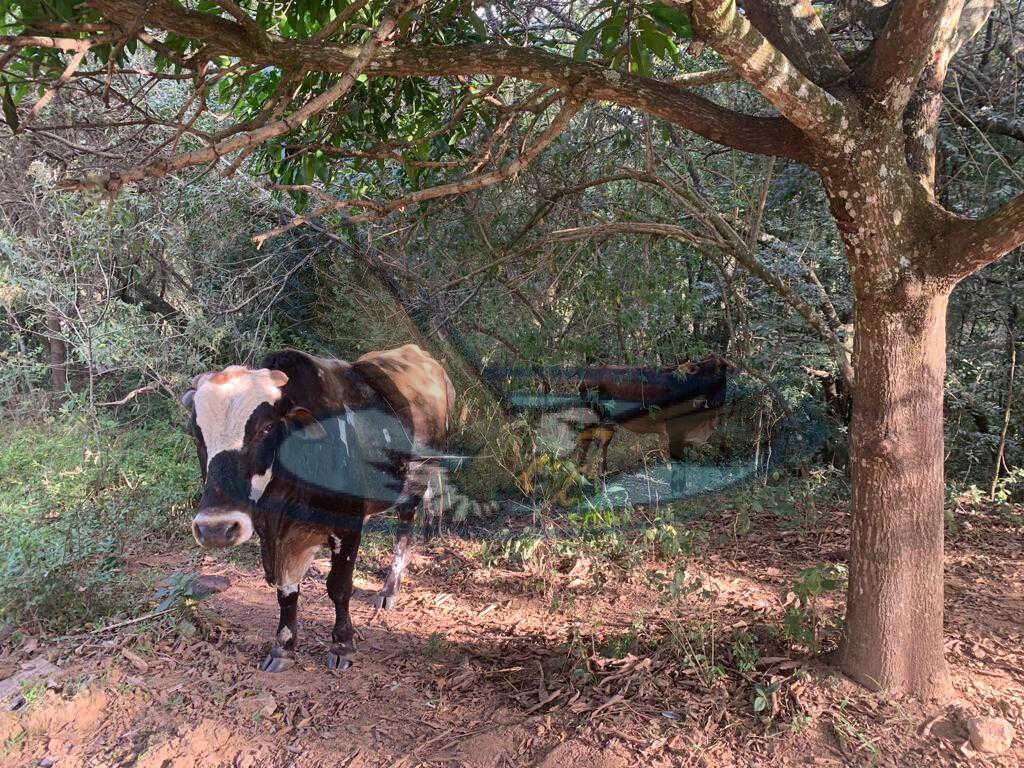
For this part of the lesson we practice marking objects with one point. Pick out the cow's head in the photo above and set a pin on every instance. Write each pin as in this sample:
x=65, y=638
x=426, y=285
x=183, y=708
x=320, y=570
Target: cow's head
x=239, y=418
x=687, y=368
x=712, y=365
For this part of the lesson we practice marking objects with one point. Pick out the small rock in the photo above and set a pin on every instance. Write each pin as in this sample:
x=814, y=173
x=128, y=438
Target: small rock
x=208, y=584
x=990, y=734
x=47, y=762
x=136, y=661
x=263, y=704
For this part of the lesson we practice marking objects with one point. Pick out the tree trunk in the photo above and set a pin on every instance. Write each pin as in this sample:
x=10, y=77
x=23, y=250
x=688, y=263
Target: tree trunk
x=894, y=635
x=58, y=354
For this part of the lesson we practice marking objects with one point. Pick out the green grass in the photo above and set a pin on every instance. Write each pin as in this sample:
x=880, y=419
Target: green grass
x=75, y=500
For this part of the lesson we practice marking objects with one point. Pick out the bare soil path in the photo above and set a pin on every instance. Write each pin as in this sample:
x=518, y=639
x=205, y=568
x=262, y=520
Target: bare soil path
x=570, y=663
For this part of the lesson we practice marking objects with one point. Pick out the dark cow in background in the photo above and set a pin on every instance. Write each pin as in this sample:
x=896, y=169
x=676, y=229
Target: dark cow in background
x=301, y=451
x=680, y=402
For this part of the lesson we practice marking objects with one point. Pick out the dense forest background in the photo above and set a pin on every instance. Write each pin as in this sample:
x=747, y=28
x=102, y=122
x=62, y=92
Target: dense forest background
x=626, y=241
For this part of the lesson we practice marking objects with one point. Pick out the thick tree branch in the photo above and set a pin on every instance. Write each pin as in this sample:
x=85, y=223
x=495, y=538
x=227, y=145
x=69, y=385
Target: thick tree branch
x=761, y=135
x=810, y=108
x=921, y=120
x=991, y=122
x=708, y=77
x=794, y=28
x=903, y=48
x=256, y=32
x=972, y=244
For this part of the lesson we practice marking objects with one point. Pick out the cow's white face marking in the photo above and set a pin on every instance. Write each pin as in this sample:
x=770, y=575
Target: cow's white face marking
x=259, y=485
x=225, y=402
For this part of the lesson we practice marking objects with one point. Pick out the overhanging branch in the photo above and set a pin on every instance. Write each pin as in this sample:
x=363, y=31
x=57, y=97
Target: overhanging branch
x=794, y=28
x=221, y=36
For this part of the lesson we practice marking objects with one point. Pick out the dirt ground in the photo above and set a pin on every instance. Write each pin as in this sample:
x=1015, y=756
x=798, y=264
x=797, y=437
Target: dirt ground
x=568, y=664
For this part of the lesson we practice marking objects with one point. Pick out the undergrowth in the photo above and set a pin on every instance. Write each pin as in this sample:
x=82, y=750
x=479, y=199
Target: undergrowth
x=77, y=499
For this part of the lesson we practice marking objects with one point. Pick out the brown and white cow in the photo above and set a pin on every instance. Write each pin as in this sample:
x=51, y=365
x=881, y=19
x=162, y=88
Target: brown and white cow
x=301, y=451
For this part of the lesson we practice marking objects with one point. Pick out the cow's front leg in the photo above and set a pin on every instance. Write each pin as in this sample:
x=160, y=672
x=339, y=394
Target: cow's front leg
x=388, y=596
x=344, y=548
x=282, y=652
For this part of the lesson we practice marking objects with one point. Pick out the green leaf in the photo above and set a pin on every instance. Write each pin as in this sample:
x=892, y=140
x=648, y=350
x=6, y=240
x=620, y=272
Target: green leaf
x=10, y=110
x=673, y=18
x=611, y=31
x=478, y=24
x=639, y=57
x=656, y=41
x=584, y=44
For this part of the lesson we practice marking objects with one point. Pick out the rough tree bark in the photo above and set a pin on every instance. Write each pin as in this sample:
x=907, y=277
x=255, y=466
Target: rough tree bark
x=893, y=632
x=893, y=637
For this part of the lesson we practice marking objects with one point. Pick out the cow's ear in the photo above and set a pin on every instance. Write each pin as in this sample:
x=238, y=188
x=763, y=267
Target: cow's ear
x=188, y=400
x=201, y=378
x=301, y=421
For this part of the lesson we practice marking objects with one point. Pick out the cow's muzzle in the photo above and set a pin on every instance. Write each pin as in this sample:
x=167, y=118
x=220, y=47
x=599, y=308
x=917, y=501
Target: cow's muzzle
x=215, y=529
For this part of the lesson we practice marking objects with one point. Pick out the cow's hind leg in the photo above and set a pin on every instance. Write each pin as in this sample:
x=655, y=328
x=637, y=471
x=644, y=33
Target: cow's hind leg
x=432, y=509
x=604, y=435
x=584, y=441
x=344, y=548
x=388, y=596
x=677, y=451
x=282, y=652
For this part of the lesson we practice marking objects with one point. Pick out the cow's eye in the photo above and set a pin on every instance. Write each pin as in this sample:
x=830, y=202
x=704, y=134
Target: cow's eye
x=265, y=430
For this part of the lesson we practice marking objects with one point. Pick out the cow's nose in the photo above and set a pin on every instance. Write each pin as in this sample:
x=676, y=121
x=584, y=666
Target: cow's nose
x=217, y=534
x=218, y=530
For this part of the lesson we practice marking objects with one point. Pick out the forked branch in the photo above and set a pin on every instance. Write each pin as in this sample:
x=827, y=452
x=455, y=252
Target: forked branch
x=902, y=50
x=806, y=105
x=794, y=28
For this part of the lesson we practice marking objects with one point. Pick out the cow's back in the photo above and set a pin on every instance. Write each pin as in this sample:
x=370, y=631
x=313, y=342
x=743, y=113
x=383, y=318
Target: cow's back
x=415, y=385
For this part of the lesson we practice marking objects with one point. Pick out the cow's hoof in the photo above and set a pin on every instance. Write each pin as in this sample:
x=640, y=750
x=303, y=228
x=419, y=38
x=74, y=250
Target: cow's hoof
x=385, y=602
x=340, y=661
x=276, y=663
